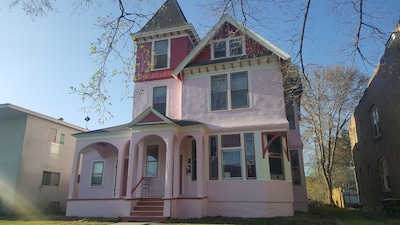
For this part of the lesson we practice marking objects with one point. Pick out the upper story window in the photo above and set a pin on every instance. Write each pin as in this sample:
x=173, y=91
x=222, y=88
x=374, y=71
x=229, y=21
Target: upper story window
x=229, y=92
x=160, y=99
x=160, y=54
x=227, y=48
x=373, y=113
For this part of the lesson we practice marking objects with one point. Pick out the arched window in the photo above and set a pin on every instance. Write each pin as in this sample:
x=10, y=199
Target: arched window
x=373, y=113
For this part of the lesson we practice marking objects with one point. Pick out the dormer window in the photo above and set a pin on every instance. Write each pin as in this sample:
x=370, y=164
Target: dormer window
x=229, y=47
x=160, y=54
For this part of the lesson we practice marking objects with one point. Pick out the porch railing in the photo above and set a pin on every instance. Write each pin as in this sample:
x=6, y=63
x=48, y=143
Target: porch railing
x=137, y=185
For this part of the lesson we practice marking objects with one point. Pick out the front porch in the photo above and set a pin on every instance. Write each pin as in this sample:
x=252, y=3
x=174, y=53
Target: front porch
x=114, y=174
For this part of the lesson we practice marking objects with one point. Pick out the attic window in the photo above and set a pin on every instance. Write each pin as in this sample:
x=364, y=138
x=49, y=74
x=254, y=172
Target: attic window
x=227, y=48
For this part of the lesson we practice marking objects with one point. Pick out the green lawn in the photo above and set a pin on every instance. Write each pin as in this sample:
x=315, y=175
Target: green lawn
x=316, y=216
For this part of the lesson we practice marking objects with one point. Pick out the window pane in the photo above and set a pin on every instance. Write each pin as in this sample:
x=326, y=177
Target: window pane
x=55, y=179
x=239, y=90
x=160, y=47
x=239, y=99
x=220, y=49
x=62, y=138
x=152, y=161
x=46, y=178
x=218, y=83
x=275, y=147
x=213, y=158
x=235, y=47
x=194, y=161
x=276, y=169
x=218, y=92
x=232, y=164
x=97, y=174
x=160, y=99
x=294, y=159
x=232, y=140
x=160, y=61
x=160, y=54
x=250, y=156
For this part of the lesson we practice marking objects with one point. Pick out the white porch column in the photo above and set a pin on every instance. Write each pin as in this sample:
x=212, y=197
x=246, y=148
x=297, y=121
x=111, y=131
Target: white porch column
x=200, y=151
x=131, y=165
x=177, y=170
x=169, y=162
x=120, y=170
x=139, y=168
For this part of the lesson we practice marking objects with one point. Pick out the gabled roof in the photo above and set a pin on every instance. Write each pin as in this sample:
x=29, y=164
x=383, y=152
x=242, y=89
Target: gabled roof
x=168, y=16
x=227, y=19
x=150, y=116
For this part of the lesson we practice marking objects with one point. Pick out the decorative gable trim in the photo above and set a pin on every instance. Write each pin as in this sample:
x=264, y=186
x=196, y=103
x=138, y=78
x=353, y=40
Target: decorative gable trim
x=150, y=116
x=209, y=37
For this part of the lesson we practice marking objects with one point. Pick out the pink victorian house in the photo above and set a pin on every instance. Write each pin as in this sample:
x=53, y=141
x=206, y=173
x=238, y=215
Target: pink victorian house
x=214, y=131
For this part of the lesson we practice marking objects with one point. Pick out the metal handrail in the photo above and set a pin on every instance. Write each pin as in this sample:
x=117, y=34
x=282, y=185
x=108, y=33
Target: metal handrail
x=137, y=185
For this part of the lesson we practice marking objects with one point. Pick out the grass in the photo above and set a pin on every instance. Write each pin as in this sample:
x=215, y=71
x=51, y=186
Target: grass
x=317, y=216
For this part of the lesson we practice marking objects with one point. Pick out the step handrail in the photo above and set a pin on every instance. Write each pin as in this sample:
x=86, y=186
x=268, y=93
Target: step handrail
x=137, y=185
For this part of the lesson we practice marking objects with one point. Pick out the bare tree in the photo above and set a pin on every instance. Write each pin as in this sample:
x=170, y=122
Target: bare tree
x=270, y=14
x=328, y=102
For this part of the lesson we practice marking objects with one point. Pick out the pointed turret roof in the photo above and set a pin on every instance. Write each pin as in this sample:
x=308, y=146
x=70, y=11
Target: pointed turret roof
x=168, y=16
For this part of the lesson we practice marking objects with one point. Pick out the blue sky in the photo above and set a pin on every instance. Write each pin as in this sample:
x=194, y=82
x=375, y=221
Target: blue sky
x=41, y=59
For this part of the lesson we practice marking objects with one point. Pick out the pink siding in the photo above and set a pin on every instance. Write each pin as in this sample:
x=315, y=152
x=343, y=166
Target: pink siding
x=266, y=102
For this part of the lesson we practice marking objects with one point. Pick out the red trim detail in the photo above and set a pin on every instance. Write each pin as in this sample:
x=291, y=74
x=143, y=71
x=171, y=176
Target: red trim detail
x=151, y=117
x=276, y=135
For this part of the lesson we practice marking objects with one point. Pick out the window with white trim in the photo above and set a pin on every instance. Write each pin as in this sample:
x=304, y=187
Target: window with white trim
x=160, y=99
x=275, y=154
x=231, y=156
x=384, y=175
x=97, y=174
x=250, y=156
x=152, y=161
x=213, y=157
x=160, y=54
x=375, y=122
x=229, y=92
x=229, y=47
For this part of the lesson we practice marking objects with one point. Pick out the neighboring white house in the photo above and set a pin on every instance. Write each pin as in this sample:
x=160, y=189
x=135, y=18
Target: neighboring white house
x=36, y=154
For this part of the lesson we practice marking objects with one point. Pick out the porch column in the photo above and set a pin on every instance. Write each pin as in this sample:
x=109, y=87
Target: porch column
x=139, y=168
x=131, y=164
x=177, y=170
x=169, y=166
x=200, y=165
x=120, y=169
